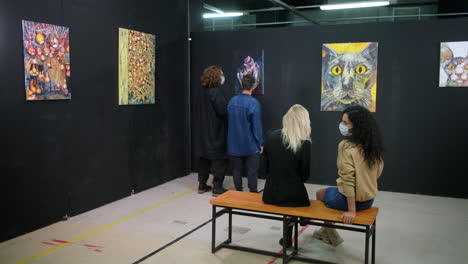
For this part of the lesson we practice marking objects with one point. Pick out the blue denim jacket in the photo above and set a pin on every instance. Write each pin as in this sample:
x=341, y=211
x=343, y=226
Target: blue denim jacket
x=244, y=126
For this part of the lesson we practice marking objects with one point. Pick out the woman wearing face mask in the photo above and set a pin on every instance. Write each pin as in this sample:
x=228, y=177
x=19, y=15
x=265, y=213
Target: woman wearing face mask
x=360, y=164
x=210, y=138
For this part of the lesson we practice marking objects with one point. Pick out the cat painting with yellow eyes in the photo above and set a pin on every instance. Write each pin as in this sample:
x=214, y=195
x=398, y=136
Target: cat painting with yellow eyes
x=453, y=64
x=349, y=75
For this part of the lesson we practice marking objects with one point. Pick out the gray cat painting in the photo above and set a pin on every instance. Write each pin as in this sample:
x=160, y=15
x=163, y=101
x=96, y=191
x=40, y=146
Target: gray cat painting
x=349, y=75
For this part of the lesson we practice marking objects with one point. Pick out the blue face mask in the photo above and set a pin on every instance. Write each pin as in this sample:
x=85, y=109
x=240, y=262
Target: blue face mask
x=222, y=80
x=344, y=130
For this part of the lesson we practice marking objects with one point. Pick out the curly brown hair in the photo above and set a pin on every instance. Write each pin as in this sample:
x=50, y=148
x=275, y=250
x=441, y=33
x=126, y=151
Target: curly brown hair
x=366, y=134
x=211, y=76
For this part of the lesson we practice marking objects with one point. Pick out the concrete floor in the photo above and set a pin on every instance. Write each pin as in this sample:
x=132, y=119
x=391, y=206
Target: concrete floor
x=411, y=229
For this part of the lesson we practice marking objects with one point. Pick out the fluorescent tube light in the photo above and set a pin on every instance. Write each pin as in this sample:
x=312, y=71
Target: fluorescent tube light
x=215, y=15
x=354, y=5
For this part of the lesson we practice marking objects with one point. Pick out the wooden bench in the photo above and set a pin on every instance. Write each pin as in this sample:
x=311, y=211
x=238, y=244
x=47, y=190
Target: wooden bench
x=251, y=204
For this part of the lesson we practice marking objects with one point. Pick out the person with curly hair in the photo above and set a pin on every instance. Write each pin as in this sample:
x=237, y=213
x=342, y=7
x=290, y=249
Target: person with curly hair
x=360, y=164
x=211, y=137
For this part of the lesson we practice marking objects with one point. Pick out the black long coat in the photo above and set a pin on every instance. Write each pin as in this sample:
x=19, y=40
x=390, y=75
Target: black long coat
x=286, y=172
x=211, y=129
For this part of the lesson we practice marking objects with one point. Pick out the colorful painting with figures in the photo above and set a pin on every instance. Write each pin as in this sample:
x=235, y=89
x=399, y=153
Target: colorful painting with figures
x=46, y=61
x=136, y=67
x=349, y=75
x=250, y=63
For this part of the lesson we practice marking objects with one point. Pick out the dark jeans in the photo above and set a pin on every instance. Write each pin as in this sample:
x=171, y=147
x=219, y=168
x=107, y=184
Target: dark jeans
x=218, y=166
x=335, y=200
x=251, y=163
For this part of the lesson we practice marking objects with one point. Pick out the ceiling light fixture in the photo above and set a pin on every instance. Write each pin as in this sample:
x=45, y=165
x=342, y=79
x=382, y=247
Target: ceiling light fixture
x=215, y=15
x=354, y=5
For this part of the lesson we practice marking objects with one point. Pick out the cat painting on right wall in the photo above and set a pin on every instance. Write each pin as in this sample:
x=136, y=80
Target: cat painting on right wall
x=453, y=71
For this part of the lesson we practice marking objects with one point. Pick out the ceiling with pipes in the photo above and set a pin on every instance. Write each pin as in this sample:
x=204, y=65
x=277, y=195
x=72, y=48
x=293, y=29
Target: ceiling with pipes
x=275, y=13
x=239, y=5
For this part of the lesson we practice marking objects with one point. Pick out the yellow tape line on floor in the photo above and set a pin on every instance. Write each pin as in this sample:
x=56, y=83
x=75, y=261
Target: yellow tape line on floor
x=104, y=227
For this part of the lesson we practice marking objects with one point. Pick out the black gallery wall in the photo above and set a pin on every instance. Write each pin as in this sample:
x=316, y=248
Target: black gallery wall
x=66, y=157
x=423, y=124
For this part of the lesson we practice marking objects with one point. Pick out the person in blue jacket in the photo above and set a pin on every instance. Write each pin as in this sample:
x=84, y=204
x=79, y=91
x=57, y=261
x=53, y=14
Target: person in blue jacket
x=245, y=139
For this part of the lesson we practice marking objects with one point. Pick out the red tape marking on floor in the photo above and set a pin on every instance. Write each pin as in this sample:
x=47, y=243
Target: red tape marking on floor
x=64, y=242
x=92, y=246
x=60, y=241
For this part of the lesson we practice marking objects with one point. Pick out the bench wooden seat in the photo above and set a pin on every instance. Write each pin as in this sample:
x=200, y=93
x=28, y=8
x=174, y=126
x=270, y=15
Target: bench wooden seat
x=251, y=204
x=317, y=210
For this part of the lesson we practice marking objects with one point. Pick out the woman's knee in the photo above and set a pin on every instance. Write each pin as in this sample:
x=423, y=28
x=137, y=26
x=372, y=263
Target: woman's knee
x=320, y=194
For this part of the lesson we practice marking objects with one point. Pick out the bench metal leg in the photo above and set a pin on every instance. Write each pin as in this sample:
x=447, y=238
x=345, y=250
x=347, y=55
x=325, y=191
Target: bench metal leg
x=296, y=234
x=230, y=227
x=373, y=242
x=213, y=230
x=216, y=214
x=285, y=228
x=366, y=257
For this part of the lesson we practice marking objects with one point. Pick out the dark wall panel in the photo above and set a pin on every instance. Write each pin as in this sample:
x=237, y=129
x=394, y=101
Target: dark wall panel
x=422, y=123
x=67, y=157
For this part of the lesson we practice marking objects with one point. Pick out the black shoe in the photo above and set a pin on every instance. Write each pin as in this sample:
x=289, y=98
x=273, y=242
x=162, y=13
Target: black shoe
x=288, y=237
x=288, y=245
x=218, y=191
x=203, y=188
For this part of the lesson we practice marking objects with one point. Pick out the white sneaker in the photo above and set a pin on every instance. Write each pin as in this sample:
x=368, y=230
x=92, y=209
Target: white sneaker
x=334, y=237
x=328, y=236
x=321, y=234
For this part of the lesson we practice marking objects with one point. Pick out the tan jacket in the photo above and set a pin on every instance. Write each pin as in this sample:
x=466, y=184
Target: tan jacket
x=356, y=178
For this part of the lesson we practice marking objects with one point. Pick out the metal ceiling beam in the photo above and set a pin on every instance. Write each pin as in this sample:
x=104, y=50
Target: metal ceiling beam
x=270, y=9
x=293, y=10
x=212, y=8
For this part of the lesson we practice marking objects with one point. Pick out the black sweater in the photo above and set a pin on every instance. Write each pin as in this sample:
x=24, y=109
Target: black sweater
x=286, y=172
x=212, y=124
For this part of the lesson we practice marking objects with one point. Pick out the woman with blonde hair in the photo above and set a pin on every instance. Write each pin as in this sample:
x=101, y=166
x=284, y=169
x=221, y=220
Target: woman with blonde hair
x=287, y=162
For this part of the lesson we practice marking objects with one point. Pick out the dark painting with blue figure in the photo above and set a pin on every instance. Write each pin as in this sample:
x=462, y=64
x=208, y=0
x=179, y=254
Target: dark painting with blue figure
x=250, y=63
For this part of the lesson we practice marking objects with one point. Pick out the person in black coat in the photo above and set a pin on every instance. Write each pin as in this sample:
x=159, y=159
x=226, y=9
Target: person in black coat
x=286, y=155
x=212, y=131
